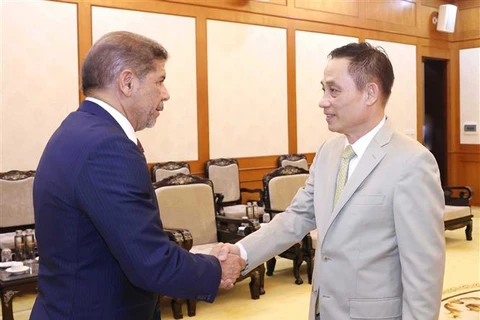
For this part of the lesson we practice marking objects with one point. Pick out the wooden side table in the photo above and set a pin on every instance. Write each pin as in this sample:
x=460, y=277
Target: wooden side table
x=14, y=284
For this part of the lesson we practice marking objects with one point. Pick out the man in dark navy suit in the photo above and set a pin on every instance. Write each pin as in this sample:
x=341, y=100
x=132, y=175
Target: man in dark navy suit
x=104, y=254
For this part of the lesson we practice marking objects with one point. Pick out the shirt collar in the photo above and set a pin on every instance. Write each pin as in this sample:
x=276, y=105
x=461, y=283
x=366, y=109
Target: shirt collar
x=120, y=118
x=361, y=144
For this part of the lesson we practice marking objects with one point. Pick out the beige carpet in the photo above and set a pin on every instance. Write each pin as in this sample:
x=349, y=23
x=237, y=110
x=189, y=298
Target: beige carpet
x=285, y=300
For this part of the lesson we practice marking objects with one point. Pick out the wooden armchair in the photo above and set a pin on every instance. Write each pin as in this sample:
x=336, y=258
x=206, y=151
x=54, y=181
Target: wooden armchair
x=16, y=205
x=164, y=170
x=458, y=213
x=280, y=187
x=293, y=159
x=224, y=173
x=187, y=202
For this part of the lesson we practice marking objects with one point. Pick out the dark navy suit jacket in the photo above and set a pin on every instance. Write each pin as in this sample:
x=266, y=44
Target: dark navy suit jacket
x=103, y=253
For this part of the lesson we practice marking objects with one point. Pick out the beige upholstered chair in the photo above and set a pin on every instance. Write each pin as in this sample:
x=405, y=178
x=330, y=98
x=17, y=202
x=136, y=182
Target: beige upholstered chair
x=280, y=187
x=458, y=213
x=187, y=202
x=293, y=159
x=164, y=170
x=16, y=204
x=224, y=173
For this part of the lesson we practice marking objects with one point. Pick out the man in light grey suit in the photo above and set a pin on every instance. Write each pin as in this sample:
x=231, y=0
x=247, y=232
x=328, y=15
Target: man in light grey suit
x=381, y=247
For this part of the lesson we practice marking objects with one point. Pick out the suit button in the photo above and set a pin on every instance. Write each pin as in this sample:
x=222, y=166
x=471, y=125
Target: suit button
x=326, y=258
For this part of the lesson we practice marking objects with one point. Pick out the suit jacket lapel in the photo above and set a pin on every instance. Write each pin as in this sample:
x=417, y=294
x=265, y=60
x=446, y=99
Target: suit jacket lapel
x=370, y=159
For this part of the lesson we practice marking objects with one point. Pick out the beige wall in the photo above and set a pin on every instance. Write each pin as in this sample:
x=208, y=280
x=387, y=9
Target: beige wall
x=39, y=59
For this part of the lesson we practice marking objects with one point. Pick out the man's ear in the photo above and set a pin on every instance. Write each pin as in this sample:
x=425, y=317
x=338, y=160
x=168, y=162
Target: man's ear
x=125, y=82
x=373, y=93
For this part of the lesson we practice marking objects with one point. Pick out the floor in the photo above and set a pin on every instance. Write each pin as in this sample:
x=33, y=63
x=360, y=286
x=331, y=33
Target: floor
x=286, y=300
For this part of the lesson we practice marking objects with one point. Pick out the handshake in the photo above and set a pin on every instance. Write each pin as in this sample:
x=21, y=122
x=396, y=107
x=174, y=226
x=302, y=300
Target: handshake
x=232, y=264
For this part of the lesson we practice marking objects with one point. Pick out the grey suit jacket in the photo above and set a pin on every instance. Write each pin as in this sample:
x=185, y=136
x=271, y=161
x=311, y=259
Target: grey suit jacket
x=381, y=249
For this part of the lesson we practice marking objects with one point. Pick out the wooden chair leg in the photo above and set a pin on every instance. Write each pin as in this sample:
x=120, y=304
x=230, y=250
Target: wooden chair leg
x=296, y=266
x=468, y=230
x=177, y=308
x=192, y=307
x=271, y=266
x=254, y=284
x=261, y=272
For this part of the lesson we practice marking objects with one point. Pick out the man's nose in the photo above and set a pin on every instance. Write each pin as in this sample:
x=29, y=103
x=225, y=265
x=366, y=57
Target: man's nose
x=324, y=103
x=166, y=95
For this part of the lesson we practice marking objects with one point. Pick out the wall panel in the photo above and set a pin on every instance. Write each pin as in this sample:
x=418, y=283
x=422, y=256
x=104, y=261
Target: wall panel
x=469, y=94
x=312, y=50
x=348, y=7
x=468, y=173
x=247, y=90
x=39, y=63
x=174, y=137
x=401, y=108
x=398, y=12
x=467, y=24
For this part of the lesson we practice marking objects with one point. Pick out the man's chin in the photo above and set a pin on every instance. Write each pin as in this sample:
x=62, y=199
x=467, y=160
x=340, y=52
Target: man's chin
x=151, y=123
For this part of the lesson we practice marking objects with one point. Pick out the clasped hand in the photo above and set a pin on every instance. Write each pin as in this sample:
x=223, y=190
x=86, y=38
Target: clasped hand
x=231, y=262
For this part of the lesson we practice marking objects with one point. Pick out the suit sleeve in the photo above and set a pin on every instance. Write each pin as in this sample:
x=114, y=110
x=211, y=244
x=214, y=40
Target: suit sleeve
x=418, y=213
x=286, y=229
x=113, y=189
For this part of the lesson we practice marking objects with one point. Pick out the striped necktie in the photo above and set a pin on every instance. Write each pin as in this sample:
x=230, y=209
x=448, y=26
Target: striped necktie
x=347, y=155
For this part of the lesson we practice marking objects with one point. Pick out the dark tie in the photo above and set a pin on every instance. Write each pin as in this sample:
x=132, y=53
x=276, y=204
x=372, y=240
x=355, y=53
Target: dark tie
x=139, y=145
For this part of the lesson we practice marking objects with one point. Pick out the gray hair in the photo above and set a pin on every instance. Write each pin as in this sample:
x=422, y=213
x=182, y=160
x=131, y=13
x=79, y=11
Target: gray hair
x=115, y=52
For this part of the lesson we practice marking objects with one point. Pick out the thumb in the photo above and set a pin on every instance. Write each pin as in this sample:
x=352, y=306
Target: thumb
x=223, y=254
x=216, y=250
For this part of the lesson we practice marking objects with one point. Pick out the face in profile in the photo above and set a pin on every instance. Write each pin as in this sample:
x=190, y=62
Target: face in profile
x=343, y=104
x=150, y=95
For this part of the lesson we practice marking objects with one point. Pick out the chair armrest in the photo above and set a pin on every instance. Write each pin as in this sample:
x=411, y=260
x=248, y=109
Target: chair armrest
x=232, y=230
x=259, y=191
x=182, y=237
x=272, y=212
x=457, y=195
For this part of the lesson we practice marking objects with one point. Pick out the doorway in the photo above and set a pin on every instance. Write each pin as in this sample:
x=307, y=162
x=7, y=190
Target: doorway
x=435, y=116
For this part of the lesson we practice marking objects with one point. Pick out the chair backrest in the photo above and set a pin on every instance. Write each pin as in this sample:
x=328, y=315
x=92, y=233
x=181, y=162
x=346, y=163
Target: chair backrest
x=224, y=173
x=281, y=186
x=457, y=195
x=16, y=200
x=161, y=171
x=187, y=201
x=293, y=159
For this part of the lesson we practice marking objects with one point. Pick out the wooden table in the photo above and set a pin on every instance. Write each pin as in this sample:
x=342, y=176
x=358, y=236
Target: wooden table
x=13, y=284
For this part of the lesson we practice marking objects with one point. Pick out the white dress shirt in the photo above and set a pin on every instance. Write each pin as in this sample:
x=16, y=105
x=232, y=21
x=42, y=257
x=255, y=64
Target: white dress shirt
x=120, y=118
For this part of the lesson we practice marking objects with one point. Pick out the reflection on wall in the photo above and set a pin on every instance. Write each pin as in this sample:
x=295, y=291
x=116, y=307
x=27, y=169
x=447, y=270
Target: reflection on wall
x=401, y=108
x=470, y=94
x=175, y=136
x=39, y=63
x=312, y=50
x=247, y=90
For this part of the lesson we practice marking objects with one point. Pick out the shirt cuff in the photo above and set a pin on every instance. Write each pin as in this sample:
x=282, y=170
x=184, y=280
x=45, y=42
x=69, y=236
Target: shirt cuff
x=243, y=255
x=243, y=252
